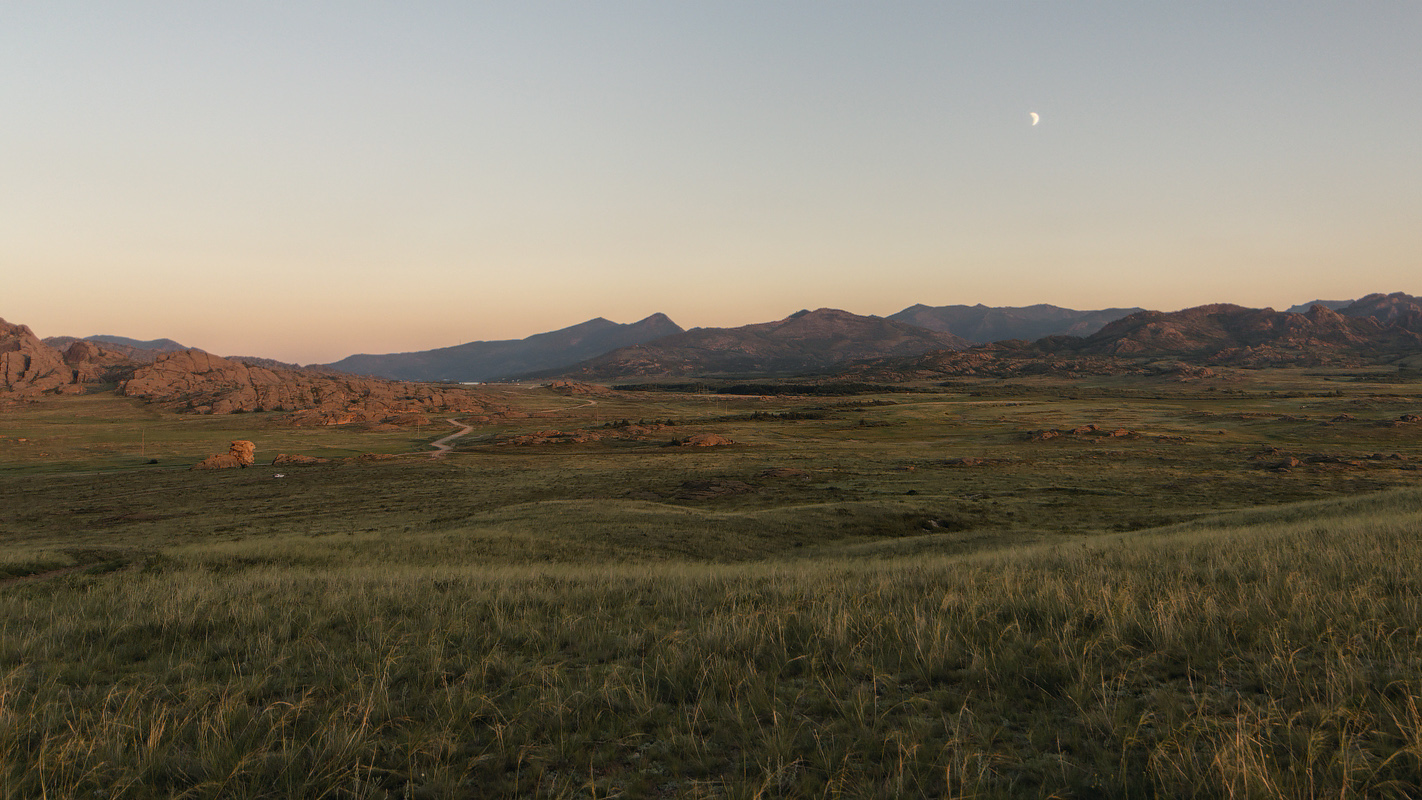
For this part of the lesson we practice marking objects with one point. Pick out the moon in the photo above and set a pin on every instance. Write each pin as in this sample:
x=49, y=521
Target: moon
x=1034, y=117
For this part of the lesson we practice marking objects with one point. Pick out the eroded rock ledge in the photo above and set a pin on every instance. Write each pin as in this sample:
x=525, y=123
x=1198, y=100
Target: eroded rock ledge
x=197, y=382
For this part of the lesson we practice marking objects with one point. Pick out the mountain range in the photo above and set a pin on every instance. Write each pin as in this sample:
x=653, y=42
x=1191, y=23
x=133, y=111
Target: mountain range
x=487, y=361
x=948, y=341
x=773, y=347
x=1376, y=328
x=806, y=341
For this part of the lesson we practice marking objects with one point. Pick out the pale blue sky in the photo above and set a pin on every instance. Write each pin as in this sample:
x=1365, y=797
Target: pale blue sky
x=308, y=180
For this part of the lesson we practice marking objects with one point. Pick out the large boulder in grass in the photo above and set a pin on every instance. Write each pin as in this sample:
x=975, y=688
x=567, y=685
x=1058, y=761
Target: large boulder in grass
x=242, y=453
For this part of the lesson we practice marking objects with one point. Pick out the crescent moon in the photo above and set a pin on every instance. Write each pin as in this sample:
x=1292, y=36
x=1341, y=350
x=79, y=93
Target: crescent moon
x=1034, y=116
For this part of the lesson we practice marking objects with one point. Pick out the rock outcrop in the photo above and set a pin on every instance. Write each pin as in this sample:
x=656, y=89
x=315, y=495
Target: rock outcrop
x=29, y=367
x=241, y=453
x=119, y=348
x=197, y=382
x=244, y=451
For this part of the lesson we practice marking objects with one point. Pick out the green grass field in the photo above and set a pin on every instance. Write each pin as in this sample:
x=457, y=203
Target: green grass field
x=937, y=604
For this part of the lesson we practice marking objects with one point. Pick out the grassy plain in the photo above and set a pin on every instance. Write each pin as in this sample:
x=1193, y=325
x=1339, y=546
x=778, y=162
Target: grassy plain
x=942, y=604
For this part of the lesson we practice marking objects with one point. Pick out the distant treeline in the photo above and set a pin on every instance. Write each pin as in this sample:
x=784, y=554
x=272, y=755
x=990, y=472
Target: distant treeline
x=806, y=389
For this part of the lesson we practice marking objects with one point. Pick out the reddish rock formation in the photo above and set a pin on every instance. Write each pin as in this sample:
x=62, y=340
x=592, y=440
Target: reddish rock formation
x=704, y=440
x=28, y=366
x=241, y=453
x=198, y=382
x=244, y=451
x=1398, y=308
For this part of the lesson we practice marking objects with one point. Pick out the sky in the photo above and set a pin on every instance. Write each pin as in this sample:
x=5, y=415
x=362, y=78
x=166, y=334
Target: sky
x=308, y=180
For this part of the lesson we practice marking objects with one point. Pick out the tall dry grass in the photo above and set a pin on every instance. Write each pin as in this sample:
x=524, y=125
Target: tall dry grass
x=1271, y=654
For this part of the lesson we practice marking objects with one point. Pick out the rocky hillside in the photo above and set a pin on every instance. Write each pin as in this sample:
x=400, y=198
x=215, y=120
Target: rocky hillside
x=1229, y=334
x=1402, y=310
x=134, y=350
x=486, y=361
x=198, y=382
x=802, y=342
x=980, y=324
x=29, y=367
x=1186, y=343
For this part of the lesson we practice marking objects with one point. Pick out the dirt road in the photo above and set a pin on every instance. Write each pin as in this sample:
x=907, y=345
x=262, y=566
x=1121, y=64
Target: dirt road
x=444, y=445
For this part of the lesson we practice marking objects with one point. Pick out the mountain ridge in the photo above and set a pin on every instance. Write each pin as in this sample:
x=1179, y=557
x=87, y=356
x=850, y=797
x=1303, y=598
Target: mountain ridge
x=504, y=358
x=1377, y=328
x=801, y=342
x=981, y=324
x=1182, y=342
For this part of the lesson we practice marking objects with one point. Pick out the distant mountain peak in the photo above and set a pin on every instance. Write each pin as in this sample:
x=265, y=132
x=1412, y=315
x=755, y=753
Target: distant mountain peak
x=657, y=319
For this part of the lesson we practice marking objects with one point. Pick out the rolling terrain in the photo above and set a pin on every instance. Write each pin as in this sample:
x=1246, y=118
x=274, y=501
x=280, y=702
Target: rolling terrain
x=1109, y=586
x=1178, y=557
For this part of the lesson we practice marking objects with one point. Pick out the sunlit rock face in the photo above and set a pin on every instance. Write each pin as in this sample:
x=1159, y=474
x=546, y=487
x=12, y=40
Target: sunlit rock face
x=28, y=366
x=197, y=382
x=241, y=453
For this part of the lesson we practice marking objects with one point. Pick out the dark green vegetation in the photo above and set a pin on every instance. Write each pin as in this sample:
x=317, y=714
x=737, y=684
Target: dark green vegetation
x=1217, y=591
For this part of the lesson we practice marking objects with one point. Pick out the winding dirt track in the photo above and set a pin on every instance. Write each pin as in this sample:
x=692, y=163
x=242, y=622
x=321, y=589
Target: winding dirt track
x=585, y=404
x=444, y=445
